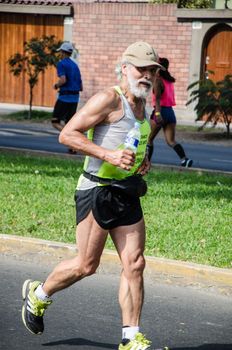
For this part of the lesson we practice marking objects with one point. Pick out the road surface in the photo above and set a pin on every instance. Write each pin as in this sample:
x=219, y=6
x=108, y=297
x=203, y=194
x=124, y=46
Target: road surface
x=86, y=316
x=45, y=138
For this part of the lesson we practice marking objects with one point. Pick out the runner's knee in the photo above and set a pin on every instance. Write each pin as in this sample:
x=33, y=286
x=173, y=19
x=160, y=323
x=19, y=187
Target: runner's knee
x=88, y=268
x=135, y=267
x=171, y=143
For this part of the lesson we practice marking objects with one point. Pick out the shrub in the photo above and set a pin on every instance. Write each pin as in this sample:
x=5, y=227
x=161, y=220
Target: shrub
x=214, y=101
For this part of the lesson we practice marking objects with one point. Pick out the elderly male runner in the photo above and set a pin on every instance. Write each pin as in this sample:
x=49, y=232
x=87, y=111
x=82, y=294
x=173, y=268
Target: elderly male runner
x=102, y=209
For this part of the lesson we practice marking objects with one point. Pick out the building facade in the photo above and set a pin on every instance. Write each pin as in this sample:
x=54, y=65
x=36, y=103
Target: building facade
x=194, y=41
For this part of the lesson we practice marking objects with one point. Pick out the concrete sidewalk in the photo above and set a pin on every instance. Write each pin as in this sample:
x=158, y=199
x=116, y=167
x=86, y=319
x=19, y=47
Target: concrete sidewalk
x=157, y=269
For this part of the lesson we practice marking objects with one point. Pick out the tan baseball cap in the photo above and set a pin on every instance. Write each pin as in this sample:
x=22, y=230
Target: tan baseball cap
x=141, y=54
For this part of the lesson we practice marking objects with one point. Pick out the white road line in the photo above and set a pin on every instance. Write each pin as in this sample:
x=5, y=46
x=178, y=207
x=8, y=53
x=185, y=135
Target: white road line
x=13, y=132
x=6, y=133
x=222, y=160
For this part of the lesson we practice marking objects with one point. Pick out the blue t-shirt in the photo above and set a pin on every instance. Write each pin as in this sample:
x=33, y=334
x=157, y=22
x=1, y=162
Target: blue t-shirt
x=71, y=71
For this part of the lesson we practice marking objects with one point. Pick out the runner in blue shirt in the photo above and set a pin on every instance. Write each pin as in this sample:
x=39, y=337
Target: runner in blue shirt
x=69, y=85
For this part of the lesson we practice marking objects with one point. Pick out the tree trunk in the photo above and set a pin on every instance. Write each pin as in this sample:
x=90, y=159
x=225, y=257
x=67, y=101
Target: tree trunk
x=30, y=102
x=227, y=130
x=226, y=119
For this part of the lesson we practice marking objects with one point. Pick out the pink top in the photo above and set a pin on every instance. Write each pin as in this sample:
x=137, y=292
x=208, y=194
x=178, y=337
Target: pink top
x=168, y=96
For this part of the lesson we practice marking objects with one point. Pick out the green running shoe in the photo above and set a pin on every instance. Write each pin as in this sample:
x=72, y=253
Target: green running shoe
x=138, y=343
x=33, y=308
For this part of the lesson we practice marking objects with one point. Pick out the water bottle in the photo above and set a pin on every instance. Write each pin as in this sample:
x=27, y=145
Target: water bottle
x=133, y=138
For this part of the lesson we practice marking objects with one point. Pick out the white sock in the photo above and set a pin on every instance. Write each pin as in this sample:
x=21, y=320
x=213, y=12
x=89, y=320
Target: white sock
x=39, y=292
x=129, y=332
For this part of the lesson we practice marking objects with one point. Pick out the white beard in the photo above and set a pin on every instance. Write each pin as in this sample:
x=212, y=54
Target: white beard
x=139, y=92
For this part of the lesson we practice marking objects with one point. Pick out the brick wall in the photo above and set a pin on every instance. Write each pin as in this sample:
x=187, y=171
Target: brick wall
x=102, y=31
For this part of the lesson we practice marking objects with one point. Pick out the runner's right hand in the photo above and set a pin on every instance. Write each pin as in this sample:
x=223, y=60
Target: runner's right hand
x=124, y=158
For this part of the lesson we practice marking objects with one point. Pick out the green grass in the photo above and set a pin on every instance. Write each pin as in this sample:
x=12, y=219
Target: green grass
x=188, y=214
x=207, y=130
x=36, y=116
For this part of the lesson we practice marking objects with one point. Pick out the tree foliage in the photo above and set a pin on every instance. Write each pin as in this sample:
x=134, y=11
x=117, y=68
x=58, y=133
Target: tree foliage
x=213, y=101
x=197, y=4
x=38, y=54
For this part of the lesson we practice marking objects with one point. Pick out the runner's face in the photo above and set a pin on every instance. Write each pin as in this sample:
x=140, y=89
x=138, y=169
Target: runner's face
x=140, y=80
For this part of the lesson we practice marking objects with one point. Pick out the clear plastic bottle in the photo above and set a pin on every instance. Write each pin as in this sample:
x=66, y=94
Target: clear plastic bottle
x=133, y=138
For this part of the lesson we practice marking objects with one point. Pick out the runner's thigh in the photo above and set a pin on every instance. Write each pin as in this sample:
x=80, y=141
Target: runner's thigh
x=129, y=241
x=90, y=238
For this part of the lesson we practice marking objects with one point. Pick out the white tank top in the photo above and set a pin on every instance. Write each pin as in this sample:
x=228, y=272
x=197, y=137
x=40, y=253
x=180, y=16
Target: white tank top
x=112, y=136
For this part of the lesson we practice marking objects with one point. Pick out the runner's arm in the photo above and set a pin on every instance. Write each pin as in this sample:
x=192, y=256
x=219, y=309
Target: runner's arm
x=95, y=111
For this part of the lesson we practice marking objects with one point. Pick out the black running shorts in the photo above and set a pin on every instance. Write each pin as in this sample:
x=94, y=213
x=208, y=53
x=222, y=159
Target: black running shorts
x=110, y=207
x=63, y=111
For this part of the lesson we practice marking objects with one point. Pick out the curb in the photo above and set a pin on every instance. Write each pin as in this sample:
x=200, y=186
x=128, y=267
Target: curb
x=30, y=152
x=167, y=270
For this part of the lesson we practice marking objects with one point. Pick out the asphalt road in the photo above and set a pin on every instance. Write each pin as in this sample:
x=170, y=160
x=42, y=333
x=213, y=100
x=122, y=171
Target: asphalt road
x=45, y=138
x=86, y=315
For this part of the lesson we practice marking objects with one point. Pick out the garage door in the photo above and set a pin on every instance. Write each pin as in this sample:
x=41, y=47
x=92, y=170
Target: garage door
x=15, y=29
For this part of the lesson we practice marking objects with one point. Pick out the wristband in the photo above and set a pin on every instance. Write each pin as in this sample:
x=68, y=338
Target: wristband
x=149, y=151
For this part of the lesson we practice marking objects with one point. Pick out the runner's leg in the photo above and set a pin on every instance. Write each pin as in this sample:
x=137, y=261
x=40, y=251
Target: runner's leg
x=129, y=242
x=91, y=239
x=169, y=134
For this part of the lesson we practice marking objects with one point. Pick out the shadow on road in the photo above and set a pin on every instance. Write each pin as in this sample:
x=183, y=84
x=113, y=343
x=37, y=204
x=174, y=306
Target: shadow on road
x=82, y=342
x=206, y=347
x=86, y=342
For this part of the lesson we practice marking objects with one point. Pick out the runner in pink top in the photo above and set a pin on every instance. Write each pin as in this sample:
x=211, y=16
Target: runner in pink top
x=167, y=99
x=163, y=116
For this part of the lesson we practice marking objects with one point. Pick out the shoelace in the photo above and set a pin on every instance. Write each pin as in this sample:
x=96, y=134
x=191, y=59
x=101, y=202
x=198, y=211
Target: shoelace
x=142, y=339
x=36, y=306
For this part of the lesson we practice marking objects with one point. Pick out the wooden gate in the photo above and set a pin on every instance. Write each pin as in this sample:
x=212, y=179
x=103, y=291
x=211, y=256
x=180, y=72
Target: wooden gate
x=218, y=53
x=15, y=29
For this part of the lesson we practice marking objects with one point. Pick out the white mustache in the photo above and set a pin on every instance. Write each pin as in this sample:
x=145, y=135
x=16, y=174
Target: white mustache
x=145, y=82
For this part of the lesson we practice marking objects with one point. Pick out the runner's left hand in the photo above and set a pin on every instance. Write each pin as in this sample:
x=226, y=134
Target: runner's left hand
x=145, y=166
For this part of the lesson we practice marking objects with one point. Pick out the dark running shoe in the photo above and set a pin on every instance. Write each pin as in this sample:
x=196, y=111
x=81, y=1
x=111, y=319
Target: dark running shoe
x=33, y=308
x=187, y=163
